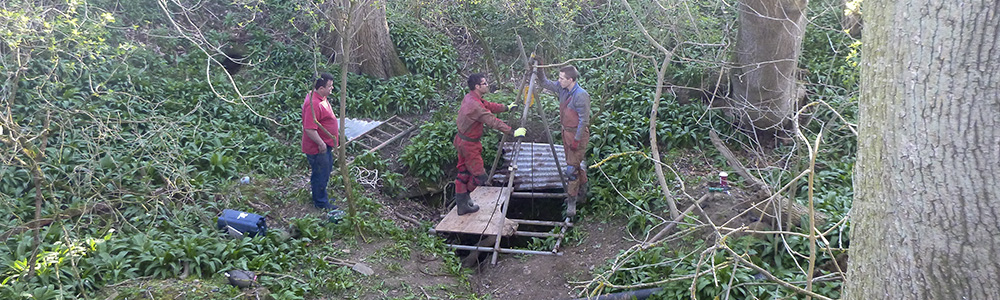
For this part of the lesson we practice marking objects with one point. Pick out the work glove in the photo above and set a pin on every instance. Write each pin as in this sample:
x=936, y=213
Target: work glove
x=520, y=132
x=570, y=173
x=575, y=144
x=512, y=106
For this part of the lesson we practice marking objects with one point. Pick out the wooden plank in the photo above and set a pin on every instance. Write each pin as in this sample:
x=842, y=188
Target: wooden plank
x=359, y=141
x=487, y=221
x=386, y=133
x=401, y=134
x=401, y=120
x=389, y=124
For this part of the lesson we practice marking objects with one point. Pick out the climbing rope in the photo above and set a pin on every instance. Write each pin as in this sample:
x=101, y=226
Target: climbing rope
x=367, y=177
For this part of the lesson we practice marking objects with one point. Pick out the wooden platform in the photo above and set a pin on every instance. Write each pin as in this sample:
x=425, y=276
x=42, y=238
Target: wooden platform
x=489, y=220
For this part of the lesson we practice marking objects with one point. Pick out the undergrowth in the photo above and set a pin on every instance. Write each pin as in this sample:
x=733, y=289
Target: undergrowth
x=115, y=114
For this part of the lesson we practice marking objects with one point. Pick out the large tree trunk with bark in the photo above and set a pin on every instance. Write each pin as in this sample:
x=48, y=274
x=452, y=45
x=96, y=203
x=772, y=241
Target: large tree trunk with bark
x=926, y=213
x=764, y=79
x=372, y=50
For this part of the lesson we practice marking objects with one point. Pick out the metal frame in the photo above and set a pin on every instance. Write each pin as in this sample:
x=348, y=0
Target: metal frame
x=510, y=182
x=496, y=249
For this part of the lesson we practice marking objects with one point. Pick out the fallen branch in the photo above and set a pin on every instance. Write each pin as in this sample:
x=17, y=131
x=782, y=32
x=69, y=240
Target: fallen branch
x=359, y=267
x=407, y=218
x=652, y=241
x=733, y=162
x=280, y=276
x=771, y=277
x=100, y=208
x=434, y=274
x=796, y=212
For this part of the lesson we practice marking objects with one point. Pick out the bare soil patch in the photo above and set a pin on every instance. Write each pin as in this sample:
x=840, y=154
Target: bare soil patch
x=553, y=277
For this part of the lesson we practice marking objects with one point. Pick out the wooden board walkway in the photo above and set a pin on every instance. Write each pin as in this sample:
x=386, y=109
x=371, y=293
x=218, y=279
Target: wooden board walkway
x=489, y=220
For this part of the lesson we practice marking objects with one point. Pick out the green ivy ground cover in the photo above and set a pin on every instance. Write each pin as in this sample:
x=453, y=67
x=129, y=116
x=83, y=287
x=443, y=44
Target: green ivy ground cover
x=134, y=115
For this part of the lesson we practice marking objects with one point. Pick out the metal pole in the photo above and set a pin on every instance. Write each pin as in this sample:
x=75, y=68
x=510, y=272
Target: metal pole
x=510, y=178
x=520, y=86
x=562, y=233
x=628, y=295
x=534, y=195
x=542, y=223
x=503, y=214
x=537, y=234
x=552, y=147
x=501, y=250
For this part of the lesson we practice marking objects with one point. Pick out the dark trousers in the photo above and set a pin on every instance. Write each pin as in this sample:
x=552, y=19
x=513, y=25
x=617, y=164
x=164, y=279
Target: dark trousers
x=321, y=165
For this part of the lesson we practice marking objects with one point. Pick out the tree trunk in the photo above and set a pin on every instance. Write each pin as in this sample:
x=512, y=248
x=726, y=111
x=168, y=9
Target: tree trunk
x=767, y=51
x=344, y=24
x=925, y=213
x=372, y=49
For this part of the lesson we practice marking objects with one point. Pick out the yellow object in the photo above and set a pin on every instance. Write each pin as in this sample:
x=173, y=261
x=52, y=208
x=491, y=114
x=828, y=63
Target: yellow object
x=530, y=99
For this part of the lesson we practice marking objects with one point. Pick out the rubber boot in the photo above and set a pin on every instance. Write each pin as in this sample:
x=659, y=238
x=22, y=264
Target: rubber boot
x=571, y=206
x=464, y=204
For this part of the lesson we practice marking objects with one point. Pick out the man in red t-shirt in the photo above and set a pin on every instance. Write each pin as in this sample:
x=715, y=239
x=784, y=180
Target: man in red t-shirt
x=319, y=138
x=472, y=115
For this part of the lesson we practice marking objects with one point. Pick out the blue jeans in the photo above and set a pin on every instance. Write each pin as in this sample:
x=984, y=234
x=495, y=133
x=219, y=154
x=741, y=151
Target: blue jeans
x=321, y=165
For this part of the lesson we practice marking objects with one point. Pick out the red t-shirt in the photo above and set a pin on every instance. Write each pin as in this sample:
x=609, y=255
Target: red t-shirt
x=325, y=116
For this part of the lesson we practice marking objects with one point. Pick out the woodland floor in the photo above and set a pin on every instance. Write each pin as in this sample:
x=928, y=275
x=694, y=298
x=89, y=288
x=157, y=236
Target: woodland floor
x=514, y=276
x=598, y=240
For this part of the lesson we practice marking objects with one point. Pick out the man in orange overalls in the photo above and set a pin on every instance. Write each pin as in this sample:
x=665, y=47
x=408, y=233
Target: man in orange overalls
x=472, y=115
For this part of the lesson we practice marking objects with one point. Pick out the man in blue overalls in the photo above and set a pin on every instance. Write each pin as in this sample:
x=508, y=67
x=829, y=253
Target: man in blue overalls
x=574, y=116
